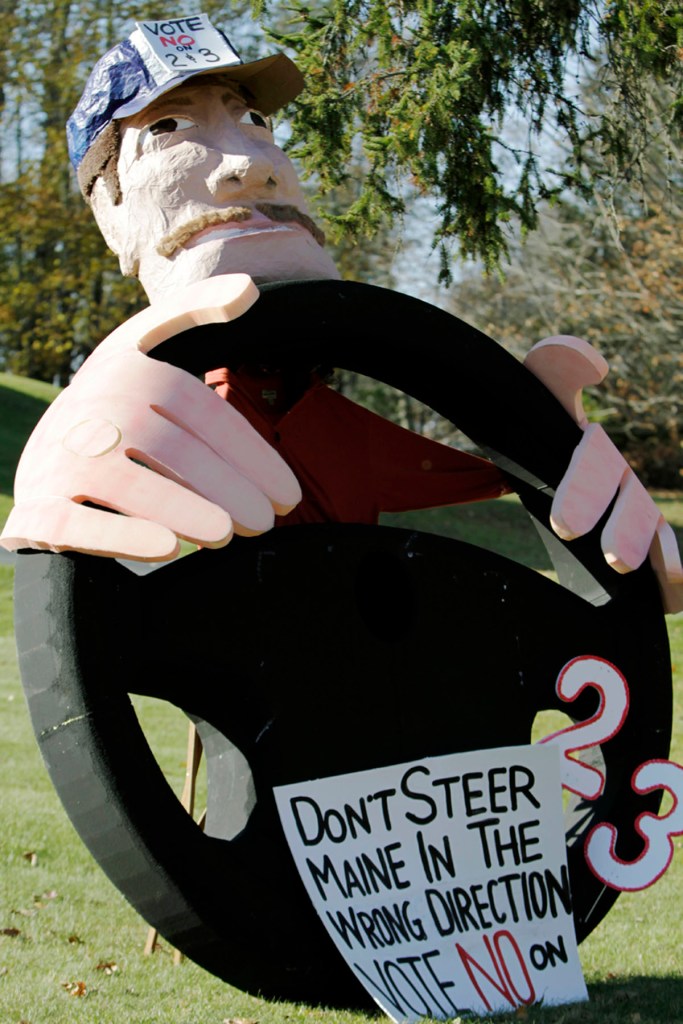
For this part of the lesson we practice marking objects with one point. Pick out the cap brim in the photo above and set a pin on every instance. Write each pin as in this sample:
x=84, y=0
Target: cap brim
x=272, y=81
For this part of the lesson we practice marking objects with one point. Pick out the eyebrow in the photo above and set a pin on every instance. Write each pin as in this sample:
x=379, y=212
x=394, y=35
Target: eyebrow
x=168, y=101
x=235, y=92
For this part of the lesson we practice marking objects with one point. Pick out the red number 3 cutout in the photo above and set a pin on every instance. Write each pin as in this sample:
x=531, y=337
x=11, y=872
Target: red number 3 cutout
x=576, y=675
x=630, y=876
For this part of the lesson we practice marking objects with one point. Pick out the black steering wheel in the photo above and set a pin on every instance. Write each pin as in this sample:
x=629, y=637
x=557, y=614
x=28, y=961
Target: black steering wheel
x=313, y=651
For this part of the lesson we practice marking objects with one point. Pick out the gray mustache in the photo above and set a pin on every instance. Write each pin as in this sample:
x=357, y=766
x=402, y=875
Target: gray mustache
x=277, y=212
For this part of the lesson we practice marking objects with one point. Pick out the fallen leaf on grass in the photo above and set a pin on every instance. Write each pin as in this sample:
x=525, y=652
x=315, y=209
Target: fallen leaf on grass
x=75, y=988
x=31, y=856
x=75, y=940
x=12, y=932
x=51, y=894
x=108, y=966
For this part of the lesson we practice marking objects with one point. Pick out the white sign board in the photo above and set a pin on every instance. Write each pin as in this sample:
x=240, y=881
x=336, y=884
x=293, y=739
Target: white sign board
x=175, y=46
x=443, y=882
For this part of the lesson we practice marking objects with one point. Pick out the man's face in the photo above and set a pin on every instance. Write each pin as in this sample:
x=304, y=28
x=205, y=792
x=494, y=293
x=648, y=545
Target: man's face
x=206, y=191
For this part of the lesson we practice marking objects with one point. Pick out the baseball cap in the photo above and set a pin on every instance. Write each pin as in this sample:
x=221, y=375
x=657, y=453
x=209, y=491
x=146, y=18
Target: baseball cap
x=159, y=55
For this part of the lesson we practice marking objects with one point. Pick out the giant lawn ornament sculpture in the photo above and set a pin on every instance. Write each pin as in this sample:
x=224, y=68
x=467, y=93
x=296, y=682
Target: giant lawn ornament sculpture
x=328, y=645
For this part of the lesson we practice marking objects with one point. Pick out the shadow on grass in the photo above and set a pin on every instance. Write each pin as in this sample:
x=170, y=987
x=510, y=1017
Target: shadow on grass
x=655, y=999
x=633, y=1000
x=20, y=413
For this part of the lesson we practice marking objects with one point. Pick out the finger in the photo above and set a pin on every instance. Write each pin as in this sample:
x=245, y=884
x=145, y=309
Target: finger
x=588, y=486
x=171, y=451
x=194, y=407
x=666, y=551
x=59, y=524
x=628, y=535
x=666, y=562
x=168, y=450
x=141, y=493
x=216, y=300
x=136, y=383
x=566, y=365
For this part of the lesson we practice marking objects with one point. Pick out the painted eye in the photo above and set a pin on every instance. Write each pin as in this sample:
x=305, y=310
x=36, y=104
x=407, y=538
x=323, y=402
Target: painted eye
x=254, y=118
x=163, y=127
x=167, y=125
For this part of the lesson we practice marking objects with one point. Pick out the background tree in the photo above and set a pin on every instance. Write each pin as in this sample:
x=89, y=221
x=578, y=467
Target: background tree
x=425, y=91
x=612, y=275
x=59, y=288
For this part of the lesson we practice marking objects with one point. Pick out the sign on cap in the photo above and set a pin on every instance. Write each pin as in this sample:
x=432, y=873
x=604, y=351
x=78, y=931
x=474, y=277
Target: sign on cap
x=177, y=46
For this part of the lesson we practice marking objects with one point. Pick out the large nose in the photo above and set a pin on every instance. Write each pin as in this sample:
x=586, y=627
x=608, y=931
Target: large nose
x=245, y=167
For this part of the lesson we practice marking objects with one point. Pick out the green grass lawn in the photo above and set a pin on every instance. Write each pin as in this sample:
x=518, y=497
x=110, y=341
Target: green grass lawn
x=71, y=947
x=22, y=403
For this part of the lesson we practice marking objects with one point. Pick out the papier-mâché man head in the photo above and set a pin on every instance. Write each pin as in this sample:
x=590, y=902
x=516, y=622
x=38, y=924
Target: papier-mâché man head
x=173, y=148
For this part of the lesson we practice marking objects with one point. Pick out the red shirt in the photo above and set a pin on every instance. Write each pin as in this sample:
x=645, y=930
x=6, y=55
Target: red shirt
x=351, y=463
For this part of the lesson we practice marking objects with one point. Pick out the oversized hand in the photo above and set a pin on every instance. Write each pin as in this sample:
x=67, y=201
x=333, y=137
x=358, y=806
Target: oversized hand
x=148, y=440
x=598, y=472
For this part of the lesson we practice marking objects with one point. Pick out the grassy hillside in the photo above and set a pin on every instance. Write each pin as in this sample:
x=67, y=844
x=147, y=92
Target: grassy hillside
x=22, y=403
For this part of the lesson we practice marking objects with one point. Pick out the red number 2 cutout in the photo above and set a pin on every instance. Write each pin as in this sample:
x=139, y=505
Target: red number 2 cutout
x=631, y=876
x=576, y=675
